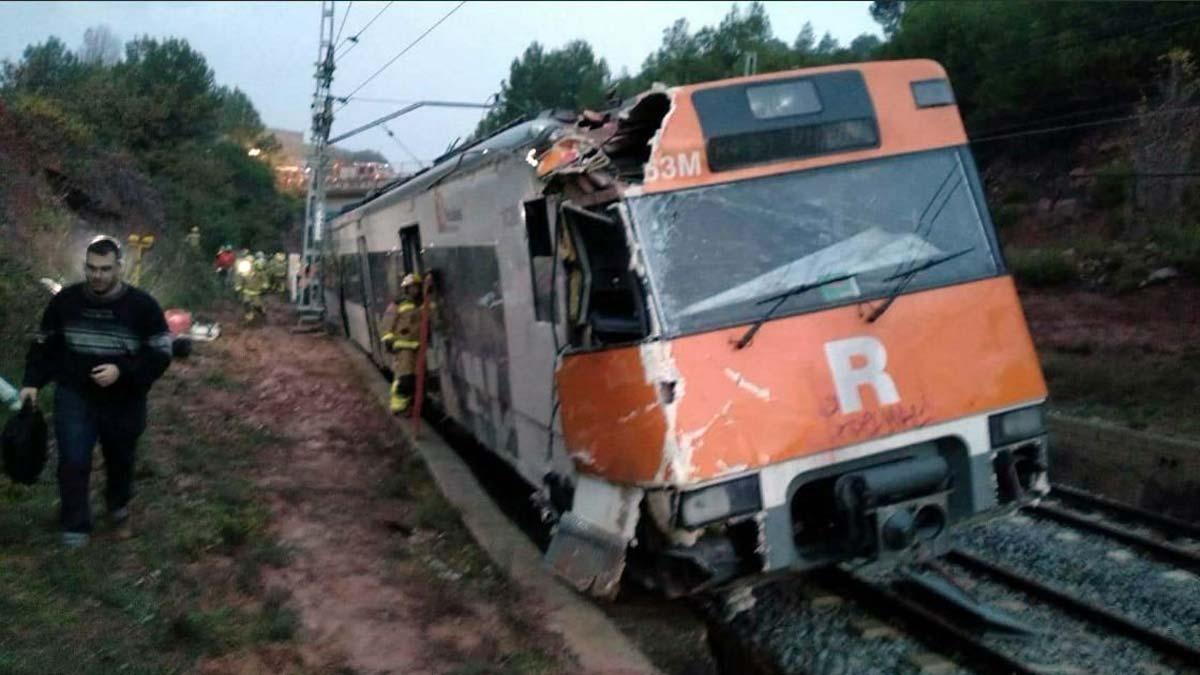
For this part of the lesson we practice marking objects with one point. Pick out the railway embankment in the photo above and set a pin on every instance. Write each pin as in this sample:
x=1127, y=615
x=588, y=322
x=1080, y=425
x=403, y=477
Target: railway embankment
x=1154, y=471
x=598, y=645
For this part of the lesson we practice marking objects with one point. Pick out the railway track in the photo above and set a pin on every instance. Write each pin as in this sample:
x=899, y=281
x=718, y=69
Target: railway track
x=1175, y=541
x=1062, y=569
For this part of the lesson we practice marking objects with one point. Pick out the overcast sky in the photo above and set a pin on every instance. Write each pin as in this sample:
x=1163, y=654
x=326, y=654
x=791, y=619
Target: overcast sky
x=268, y=48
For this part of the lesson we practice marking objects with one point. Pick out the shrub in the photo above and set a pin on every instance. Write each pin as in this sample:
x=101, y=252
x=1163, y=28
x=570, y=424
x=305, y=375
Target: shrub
x=1110, y=187
x=1040, y=267
x=1007, y=215
x=179, y=276
x=1182, y=246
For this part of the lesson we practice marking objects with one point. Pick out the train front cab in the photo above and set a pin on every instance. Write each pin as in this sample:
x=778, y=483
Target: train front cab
x=834, y=362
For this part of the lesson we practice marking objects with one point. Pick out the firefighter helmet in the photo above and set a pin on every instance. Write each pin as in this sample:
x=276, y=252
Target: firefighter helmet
x=411, y=279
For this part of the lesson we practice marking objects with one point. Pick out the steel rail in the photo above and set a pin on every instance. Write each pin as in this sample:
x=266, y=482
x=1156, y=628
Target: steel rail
x=937, y=632
x=1175, y=554
x=1092, y=612
x=1172, y=525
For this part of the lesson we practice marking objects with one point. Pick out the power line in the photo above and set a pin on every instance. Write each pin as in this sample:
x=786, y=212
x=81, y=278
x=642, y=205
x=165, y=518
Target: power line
x=1081, y=125
x=404, y=51
x=365, y=99
x=344, y=17
x=352, y=40
x=403, y=147
x=1027, y=124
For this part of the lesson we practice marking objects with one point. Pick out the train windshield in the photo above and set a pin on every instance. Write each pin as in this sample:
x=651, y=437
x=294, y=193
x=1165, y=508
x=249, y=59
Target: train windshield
x=723, y=254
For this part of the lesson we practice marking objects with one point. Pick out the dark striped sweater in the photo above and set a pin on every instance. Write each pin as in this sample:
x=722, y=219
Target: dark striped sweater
x=80, y=331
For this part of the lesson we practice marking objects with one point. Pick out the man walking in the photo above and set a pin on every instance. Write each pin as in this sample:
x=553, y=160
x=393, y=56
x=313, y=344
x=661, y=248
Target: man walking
x=105, y=343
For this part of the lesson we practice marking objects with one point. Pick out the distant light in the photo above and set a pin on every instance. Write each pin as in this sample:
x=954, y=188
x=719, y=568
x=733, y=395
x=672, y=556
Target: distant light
x=254, y=152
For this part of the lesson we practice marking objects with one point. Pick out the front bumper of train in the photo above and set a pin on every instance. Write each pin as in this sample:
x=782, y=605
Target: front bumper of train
x=889, y=498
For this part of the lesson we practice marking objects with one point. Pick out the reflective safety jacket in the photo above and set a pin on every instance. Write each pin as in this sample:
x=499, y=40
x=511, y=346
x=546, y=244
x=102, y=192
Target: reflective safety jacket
x=255, y=283
x=403, y=321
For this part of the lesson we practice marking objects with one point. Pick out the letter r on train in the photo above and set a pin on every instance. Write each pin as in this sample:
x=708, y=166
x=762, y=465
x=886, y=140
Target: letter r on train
x=856, y=362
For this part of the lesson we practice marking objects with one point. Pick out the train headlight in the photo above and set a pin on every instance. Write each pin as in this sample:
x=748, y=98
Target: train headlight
x=1017, y=425
x=720, y=501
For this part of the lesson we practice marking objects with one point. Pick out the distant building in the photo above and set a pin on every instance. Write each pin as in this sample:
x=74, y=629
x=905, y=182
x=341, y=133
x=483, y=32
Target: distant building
x=352, y=174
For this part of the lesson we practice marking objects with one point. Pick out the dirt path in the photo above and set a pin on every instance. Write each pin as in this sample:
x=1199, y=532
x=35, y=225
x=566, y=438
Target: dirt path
x=384, y=576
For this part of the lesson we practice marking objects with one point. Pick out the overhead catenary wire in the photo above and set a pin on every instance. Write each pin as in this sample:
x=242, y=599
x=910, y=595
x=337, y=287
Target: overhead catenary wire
x=370, y=99
x=1082, y=125
x=402, y=52
x=353, y=39
x=344, y=17
x=400, y=143
x=1030, y=124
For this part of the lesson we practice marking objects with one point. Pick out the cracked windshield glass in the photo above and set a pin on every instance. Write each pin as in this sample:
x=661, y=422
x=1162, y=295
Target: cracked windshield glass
x=717, y=253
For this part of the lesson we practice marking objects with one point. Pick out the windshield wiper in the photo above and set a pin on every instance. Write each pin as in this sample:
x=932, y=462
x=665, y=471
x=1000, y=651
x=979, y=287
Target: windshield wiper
x=781, y=298
x=907, y=276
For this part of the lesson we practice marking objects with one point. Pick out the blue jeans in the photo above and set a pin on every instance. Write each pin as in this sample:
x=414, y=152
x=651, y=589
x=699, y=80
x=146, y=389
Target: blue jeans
x=79, y=422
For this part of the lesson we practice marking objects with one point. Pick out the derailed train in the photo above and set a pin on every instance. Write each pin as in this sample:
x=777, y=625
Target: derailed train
x=729, y=328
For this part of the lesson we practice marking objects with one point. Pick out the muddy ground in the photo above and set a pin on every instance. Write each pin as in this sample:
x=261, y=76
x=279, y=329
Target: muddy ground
x=1131, y=358
x=1162, y=319
x=381, y=572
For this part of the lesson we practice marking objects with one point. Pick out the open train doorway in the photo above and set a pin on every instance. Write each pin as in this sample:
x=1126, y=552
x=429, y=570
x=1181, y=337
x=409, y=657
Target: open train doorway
x=410, y=249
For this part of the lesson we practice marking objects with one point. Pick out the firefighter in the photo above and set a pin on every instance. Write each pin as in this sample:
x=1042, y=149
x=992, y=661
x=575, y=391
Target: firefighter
x=252, y=287
x=401, y=339
x=224, y=263
x=277, y=270
x=193, y=238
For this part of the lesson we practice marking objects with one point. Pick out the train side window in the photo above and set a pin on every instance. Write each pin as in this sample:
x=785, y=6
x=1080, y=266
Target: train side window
x=541, y=258
x=606, y=304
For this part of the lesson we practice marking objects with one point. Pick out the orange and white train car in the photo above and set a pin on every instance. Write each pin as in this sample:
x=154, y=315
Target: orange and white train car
x=779, y=322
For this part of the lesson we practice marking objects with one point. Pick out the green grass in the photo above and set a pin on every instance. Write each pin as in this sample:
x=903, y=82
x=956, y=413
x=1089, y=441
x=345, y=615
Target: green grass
x=1142, y=391
x=138, y=606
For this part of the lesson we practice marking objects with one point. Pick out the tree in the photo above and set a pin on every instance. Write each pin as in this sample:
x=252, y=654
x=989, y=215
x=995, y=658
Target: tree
x=716, y=52
x=1025, y=60
x=568, y=78
x=887, y=13
x=239, y=121
x=828, y=45
x=100, y=47
x=48, y=69
x=165, y=95
x=863, y=47
x=1162, y=143
x=806, y=41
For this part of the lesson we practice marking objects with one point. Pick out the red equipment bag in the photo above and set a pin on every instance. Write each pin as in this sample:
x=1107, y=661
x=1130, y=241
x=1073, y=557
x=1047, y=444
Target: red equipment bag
x=179, y=321
x=24, y=445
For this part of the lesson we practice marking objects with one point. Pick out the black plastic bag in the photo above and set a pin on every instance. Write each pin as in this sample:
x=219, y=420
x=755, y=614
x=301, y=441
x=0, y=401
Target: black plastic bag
x=24, y=445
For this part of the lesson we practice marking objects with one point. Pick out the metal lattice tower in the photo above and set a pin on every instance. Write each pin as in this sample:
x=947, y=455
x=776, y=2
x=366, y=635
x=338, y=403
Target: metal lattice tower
x=313, y=297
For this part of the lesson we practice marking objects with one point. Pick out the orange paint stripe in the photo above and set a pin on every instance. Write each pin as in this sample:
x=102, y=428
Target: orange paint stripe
x=903, y=127
x=951, y=352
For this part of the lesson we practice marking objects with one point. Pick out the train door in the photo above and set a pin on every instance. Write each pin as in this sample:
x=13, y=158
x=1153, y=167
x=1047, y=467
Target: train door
x=340, y=270
x=410, y=249
x=368, y=293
